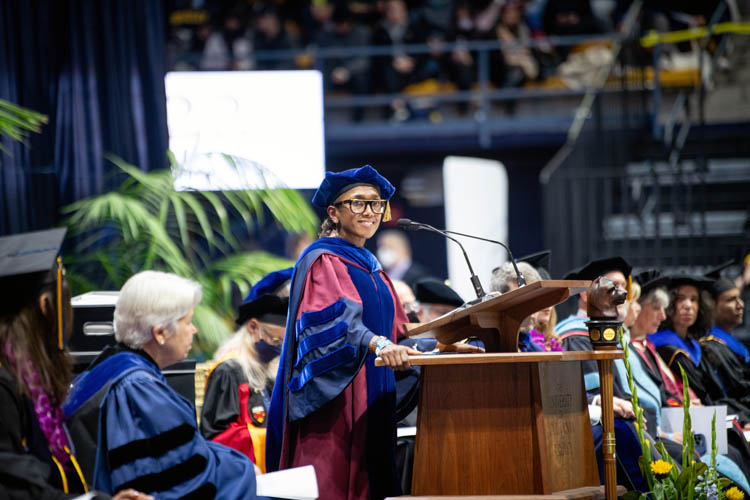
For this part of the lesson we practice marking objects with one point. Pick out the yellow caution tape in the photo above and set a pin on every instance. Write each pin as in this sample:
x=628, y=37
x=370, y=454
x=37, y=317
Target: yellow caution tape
x=654, y=37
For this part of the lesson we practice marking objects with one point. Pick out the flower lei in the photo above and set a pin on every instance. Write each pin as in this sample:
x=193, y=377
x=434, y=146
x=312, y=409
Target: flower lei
x=549, y=345
x=50, y=417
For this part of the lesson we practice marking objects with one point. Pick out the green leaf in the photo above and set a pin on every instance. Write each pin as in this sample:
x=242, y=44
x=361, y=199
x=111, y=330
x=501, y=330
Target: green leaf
x=213, y=329
x=632, y=495
x=146, y=224
x=16, y=122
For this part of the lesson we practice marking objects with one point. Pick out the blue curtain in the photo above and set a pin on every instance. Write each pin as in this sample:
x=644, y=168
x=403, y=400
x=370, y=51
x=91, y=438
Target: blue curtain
x=96, y=68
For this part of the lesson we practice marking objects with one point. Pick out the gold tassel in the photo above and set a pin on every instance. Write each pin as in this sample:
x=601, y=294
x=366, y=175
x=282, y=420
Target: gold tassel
x=630, y=287
x=63, y=477
x=78, y=469
x=59, y=305
x=387, y=213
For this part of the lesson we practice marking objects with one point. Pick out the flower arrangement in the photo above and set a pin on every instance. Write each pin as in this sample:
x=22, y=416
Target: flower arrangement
x=666, y=481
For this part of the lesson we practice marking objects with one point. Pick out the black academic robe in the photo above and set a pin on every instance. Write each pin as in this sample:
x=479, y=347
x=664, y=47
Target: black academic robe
x=26, y=466
x=221, y=402
x=702, y=380
x=730, y=369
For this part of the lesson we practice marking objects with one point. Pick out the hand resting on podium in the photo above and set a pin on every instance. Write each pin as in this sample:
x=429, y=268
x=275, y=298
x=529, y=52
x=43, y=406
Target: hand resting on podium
x=396, y=356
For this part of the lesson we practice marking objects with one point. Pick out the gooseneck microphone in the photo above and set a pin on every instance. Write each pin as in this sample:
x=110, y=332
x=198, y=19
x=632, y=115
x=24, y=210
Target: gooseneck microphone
x=409, y=225
x=519, y=277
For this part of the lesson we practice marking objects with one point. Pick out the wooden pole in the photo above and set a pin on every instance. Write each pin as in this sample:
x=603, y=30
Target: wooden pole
x=608, y=427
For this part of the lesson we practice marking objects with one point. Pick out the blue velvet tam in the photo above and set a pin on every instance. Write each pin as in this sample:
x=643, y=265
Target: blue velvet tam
x=336, y=183
x=270, y=284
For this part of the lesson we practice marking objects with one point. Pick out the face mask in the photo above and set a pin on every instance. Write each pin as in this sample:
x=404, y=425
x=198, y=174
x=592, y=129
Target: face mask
x=266, y=352
x=387, y=257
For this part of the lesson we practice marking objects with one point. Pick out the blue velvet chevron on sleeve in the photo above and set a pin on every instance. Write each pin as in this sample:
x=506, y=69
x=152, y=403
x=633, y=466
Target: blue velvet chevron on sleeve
x=332, y=346
x=149, y=441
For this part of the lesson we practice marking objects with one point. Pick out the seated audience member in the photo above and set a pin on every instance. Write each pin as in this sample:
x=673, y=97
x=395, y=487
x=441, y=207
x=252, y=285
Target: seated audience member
x=632, y=306
x=504, y=279
x=742, y=282
x=511, y=30
x=394, y=254
x=435, y=299
x=408, y=300
x=461, y=63
x=543, y=330
x=229, y=48
x=654, y=300
x=651, y=396
x=676, y=341
x=36, y=461
x=573, y=332
x=145, y=433
x=543, y=321
x=728, y=356
x=239, y=387
x=398, y=69
x=269, y=34
x=351, y=73
x=570, y=17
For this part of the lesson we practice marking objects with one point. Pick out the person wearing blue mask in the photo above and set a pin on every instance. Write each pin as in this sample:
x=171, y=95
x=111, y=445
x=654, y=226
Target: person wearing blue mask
x=239, y=386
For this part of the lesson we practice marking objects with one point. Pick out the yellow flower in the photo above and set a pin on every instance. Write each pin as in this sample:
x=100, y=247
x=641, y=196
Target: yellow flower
x=734, y=493
x=661, y=468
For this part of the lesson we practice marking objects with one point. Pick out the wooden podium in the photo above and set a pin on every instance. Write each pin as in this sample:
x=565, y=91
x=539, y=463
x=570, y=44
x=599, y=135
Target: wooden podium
x=503, y=422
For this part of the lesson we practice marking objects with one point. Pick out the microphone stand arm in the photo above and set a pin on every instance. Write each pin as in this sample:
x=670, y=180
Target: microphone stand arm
x=519, y=277
x=474, y=278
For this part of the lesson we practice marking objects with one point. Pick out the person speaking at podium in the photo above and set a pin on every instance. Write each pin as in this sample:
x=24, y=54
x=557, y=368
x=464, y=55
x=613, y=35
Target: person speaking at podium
x=331, y=406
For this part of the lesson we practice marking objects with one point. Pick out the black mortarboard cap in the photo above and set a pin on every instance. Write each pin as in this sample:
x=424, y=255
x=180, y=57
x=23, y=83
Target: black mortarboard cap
x=650, y=279
x=539, y=261
x=719, y=285
x=715, y=273
x=268, y=308
x=700, y=282
x=596, y=268
x=432, y=291
x=26, y=266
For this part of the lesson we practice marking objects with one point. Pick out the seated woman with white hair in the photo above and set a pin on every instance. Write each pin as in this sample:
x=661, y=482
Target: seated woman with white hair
x=137, y=431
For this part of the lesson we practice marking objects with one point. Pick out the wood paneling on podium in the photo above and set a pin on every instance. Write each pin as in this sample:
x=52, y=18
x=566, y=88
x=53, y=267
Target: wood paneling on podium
x=503, y=422
x=512, y=426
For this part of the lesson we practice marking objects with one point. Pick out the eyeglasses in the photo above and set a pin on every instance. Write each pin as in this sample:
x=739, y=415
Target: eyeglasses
x=359, y=206
x=271, y=339
x=414, y=306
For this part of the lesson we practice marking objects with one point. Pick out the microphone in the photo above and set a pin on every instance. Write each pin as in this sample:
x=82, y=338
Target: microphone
x=409, y=225
x=519, y=277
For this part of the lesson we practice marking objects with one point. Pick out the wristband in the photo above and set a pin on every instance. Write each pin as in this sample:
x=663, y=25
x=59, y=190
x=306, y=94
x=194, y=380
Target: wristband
x=669, y=436
x=381, y=344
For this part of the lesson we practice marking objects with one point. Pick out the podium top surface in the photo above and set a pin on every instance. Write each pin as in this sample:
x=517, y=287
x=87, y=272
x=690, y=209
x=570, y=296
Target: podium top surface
x=509, y=357
x=506, y=301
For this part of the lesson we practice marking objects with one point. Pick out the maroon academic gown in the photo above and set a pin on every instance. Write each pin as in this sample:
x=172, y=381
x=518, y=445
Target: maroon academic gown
x=334, y=437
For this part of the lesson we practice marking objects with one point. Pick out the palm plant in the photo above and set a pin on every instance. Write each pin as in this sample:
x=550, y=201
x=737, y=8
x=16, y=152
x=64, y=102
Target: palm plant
x=16, y=122
x=148, y=224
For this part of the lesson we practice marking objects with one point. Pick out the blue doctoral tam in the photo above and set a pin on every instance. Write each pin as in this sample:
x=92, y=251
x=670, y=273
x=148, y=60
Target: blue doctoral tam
x=269, y=284
x=336, y=183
